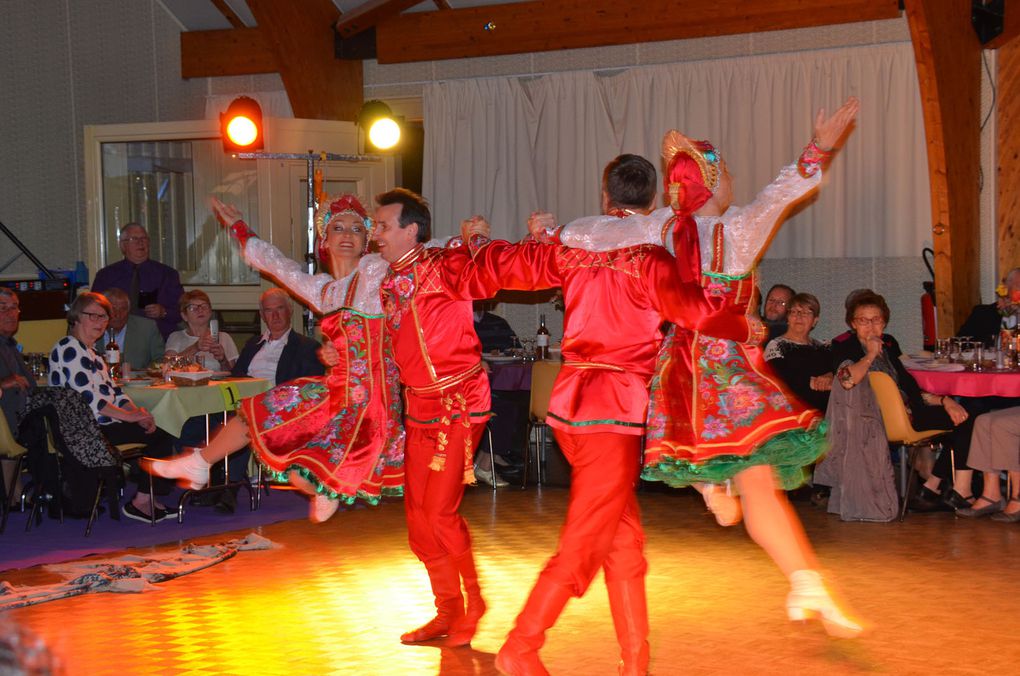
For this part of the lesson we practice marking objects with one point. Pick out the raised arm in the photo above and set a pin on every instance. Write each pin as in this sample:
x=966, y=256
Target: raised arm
x=320, y=292
x=749, y=229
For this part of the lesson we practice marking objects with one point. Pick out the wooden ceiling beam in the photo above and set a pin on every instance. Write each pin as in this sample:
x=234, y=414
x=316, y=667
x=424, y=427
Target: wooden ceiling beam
x=441, y=4
x=228, y=13
x=300, y=34
x=369, y=14
x=545, y=25
x=1007, y=150
x=237, y=51
x=948, y=56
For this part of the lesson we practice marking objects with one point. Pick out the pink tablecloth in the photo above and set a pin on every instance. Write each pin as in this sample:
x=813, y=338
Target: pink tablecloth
x=968, y=384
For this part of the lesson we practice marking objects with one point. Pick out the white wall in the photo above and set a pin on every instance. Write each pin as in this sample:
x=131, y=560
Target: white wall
x=68, y=63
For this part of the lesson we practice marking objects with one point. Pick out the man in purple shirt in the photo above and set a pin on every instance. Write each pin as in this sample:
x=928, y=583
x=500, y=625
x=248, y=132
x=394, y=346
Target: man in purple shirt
x=154, y=288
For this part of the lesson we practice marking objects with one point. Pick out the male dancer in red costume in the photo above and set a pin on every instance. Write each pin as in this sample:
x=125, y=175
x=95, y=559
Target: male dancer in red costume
x=615, y=303
x=446, y=403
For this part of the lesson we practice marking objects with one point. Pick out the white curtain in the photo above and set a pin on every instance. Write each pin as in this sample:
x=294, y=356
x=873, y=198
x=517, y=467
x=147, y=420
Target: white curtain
x=504, y=147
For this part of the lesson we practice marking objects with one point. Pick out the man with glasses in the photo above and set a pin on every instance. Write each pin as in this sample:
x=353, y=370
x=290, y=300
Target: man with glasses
x=773, y=313
x=16, y=379
x=153, y=288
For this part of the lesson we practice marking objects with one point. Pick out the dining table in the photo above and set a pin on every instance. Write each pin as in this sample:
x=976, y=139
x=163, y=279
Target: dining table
x=508, y=374
x=172, y=405
x=958, y=381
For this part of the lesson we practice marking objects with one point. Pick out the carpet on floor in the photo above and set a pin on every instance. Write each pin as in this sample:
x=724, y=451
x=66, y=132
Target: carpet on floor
x=55, y=542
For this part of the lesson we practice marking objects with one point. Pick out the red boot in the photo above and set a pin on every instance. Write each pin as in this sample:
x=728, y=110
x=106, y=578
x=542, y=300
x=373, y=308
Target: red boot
x=519, y=655
x=445, y=582
x=463, y=630
x=630, y=618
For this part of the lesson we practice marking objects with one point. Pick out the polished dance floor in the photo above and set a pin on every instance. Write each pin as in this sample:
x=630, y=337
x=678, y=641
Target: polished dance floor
x=940, y=594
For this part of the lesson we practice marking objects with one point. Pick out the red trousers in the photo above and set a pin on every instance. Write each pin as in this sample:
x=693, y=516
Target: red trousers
x=435, y=527
x=603, y=525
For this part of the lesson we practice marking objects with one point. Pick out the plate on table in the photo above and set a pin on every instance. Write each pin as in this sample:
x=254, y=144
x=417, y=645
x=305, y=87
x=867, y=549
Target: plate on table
x=186, y=378
x=499, y=358
x=136, y=381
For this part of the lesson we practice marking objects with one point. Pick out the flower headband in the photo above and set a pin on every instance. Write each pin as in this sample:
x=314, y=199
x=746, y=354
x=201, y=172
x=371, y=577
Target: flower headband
x=345, y=204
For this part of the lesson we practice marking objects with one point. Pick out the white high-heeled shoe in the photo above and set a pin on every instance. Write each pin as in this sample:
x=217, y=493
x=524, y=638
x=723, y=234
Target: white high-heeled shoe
x=808, y=598
x=321, y=508
x=190, y=469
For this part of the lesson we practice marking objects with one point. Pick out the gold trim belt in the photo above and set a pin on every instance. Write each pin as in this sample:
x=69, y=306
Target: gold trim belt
x=594, y=365
x=447, y=381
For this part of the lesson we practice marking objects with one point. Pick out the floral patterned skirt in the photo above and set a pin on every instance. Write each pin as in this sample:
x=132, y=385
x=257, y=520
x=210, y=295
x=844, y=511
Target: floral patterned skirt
x=716, y=408
x=347, y=451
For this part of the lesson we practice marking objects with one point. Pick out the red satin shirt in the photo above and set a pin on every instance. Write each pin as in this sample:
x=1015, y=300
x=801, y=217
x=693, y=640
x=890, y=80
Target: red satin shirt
x=615, y=304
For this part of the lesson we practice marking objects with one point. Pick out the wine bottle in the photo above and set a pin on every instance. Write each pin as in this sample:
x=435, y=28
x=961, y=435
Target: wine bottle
x=541, y=339
x=112, y=356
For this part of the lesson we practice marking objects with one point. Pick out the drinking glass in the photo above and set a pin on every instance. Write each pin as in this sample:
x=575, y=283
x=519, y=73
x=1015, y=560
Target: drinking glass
x=941, y=349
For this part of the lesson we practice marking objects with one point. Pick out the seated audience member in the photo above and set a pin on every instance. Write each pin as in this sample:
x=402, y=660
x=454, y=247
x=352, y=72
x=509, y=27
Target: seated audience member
x=774, y=309
x=139, y=338
x=152, y=287
x=994, y=448
x=985, y=320
x=496, y=336
x=493, y=331
x=804, y=364
x=213, y=353
x=279, y=354
x=74, y=364
x=16, y=380
x=865, y=350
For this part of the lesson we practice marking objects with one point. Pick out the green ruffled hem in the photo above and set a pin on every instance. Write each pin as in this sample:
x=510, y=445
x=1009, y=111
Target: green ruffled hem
x=788, y=454
x=322, y=489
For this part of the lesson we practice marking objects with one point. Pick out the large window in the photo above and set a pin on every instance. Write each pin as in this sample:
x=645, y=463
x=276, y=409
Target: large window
x=165, y=186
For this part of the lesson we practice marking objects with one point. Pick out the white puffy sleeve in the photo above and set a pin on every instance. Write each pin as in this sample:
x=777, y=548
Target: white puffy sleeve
x=605, y=233
x=321, y=292
x=747, y=230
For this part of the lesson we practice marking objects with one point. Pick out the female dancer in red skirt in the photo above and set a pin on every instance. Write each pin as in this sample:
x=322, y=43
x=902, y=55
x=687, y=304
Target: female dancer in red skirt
x=717, y=412
x=337, y=437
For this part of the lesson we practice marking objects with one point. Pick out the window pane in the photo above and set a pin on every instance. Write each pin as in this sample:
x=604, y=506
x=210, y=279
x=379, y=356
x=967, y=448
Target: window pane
x=164, y=185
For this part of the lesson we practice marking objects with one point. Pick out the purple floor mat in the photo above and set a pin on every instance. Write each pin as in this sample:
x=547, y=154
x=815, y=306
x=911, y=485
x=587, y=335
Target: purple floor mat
x=53, y=542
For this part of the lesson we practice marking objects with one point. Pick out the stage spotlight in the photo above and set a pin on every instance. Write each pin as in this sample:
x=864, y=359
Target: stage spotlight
x=376, y=119
x=241, y=126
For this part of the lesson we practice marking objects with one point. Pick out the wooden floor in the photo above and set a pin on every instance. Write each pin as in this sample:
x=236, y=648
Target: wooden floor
x=940, y=593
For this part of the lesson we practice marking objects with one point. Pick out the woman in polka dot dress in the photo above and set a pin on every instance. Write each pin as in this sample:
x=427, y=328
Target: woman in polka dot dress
x=75, y=365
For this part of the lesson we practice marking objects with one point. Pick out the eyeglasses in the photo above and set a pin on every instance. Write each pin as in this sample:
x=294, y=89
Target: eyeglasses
x=96, y=316
x=800, y=313
x=773, y=301
x=191, y=307
x=135, y=239
x=866, y=321
x=10, y=308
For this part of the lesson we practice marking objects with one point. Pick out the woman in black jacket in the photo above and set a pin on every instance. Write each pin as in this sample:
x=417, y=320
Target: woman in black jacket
x=866, y=349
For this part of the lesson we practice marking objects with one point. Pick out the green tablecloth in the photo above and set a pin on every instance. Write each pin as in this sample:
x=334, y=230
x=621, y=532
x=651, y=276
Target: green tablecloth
x=171, y=406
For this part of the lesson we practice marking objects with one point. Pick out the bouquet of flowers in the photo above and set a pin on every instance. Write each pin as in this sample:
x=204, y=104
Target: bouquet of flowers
x=1008, y=302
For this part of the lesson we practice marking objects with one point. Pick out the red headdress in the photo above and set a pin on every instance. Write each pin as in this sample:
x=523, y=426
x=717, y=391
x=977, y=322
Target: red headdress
x=330, y=209
x=692, y=174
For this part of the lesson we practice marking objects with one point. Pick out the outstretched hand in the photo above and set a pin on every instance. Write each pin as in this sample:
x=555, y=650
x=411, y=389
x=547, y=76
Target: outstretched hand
x=828, y=131
x=226, y=214
x=476, y=225
x=539, y=222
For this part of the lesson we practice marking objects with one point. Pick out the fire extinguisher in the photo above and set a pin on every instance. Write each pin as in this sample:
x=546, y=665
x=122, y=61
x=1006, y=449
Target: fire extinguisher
x=929, y=328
